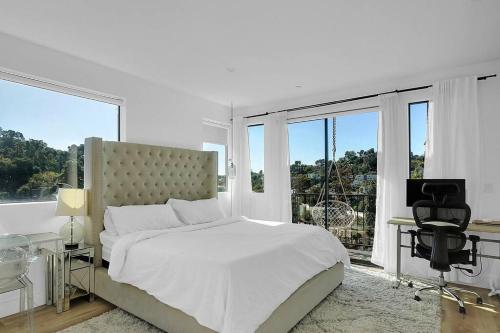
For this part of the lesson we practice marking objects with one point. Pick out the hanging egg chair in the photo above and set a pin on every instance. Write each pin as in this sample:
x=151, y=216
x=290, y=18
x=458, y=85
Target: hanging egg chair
x=340, y=214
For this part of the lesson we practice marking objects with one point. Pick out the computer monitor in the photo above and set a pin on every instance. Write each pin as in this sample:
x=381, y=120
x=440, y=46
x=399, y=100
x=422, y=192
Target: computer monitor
x=414, y=189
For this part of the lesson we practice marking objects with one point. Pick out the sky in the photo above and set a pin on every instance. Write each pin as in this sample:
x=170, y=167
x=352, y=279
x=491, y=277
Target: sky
x=354, y=132
x=418, y=126
x=58, y=119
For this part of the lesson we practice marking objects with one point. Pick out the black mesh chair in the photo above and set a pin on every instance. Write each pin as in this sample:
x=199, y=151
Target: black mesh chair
x=440, y=238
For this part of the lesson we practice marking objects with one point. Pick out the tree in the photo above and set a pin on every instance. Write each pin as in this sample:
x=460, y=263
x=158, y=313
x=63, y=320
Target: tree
x=257, y=179
x=30, y=168
x=416, y=166
x=42, y=185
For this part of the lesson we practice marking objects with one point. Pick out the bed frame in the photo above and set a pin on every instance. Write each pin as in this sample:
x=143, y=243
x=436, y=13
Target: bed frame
x=119, y=173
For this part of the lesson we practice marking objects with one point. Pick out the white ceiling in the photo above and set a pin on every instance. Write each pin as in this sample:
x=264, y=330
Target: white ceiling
x=272, y=45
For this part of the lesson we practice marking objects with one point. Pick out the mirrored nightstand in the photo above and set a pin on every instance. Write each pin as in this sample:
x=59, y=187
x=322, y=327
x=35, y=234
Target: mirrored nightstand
x=78, y=274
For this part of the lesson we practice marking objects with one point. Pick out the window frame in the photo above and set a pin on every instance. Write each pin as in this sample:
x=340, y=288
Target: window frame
x=427, y=102
x=226, y=162
x=66, y=89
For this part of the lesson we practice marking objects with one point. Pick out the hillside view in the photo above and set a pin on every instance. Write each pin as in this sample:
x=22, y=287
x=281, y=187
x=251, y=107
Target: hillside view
x=30, y=170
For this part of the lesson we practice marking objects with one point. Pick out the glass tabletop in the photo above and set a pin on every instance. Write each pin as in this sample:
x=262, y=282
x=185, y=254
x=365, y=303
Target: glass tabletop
x=44, y=237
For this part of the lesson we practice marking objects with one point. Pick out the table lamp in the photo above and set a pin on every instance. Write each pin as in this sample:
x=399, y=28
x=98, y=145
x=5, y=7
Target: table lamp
x=71, y=202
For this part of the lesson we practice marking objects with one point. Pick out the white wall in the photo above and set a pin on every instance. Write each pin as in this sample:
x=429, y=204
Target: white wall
x=153, y=114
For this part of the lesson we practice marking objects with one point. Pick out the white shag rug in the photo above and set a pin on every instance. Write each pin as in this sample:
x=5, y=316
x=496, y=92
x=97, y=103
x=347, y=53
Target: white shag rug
x=365, y=302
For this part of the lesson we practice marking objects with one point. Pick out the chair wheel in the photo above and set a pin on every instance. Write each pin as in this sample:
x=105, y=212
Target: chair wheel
x=410, y=284
x=417, y=298
x=461, y=310
x=479, y=300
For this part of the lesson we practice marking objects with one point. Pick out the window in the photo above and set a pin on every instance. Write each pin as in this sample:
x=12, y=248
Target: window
x=351, y=141
x=307, y=156
x=41, y=139
x=222, y=164
x=256, y=145
x=417, y=118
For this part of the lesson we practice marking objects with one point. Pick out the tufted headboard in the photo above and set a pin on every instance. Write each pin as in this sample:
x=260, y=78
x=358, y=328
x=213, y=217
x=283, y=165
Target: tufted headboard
x=120, y=173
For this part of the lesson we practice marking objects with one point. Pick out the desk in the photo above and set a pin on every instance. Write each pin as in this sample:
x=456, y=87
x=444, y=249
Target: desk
x=410, y=222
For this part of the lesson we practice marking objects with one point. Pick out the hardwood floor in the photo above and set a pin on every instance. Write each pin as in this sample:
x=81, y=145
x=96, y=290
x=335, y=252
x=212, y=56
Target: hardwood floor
x=483, y=318
x=47, y=320
x=479, y=318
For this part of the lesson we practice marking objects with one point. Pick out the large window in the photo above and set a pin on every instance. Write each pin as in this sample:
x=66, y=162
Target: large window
x=418, y=132
x=222, y=164
x=348, y=144
x=256, y=146
x=41, y=139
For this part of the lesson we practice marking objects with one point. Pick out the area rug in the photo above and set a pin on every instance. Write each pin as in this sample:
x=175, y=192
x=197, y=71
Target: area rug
x=365, y=302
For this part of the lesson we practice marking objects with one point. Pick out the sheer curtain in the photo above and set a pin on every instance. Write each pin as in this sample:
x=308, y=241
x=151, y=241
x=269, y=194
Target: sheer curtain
x=242, y=186
x=452, y=149
x=277, y=185
x=392, y=172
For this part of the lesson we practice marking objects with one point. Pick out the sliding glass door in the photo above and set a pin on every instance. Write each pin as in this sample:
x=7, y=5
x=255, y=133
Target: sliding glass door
x=307, y=166
x=339, y=194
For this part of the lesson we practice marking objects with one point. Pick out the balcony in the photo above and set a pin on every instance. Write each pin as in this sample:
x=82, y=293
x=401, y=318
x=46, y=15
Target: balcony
x=358, y=238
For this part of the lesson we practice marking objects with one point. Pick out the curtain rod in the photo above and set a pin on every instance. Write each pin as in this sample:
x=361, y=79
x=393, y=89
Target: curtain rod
x=312, y=106
x=332, y=112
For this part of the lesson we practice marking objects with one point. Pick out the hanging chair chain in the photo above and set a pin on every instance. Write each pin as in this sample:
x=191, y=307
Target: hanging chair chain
x=334, y=146
x=334, y=163
x=334, y=137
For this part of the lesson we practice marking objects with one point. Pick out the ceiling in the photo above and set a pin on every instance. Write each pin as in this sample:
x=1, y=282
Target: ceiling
x=258, y=51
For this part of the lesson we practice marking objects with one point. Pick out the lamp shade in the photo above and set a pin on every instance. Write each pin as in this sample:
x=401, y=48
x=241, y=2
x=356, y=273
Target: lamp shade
x=71, y=202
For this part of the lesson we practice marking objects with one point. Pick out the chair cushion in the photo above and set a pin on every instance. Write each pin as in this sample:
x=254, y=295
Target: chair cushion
x=440, y=224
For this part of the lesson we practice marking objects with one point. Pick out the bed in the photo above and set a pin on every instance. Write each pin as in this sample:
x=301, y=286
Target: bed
x=118, y=173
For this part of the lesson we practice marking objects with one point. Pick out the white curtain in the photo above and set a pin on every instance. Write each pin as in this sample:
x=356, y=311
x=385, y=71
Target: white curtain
x=392, y=172
x=453, y=146
x=277, y=186
x=452, y=149
x=242, y=186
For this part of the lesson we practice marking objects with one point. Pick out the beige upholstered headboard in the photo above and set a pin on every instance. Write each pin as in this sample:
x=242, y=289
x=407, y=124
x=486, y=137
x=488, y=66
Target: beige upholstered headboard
x=120, y=173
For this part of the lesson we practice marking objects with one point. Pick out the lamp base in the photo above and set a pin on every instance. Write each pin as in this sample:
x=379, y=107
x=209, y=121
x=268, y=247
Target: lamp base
x=71, y=246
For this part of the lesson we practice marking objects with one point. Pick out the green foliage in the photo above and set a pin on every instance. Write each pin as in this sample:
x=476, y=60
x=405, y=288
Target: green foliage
x=30, y=170
x=257, y=181
x=352, y=168
x=416, y=166
x=221, y=183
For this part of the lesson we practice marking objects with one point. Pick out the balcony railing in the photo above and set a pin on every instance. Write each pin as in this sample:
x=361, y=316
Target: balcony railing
x=359, y=236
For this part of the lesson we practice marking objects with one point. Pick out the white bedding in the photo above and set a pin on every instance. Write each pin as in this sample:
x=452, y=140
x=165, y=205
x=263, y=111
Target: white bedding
x=229, y=274
x=108, y=239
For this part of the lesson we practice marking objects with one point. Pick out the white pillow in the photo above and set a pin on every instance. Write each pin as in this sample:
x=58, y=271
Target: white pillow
x=198, y=211
x=127, y=219
x=108, y=223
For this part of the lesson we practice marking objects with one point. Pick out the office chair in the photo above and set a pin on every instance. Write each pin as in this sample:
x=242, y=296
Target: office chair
x=440, y=238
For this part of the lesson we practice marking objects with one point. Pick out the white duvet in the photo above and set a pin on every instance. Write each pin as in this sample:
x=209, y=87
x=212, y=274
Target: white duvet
x=231, y=274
